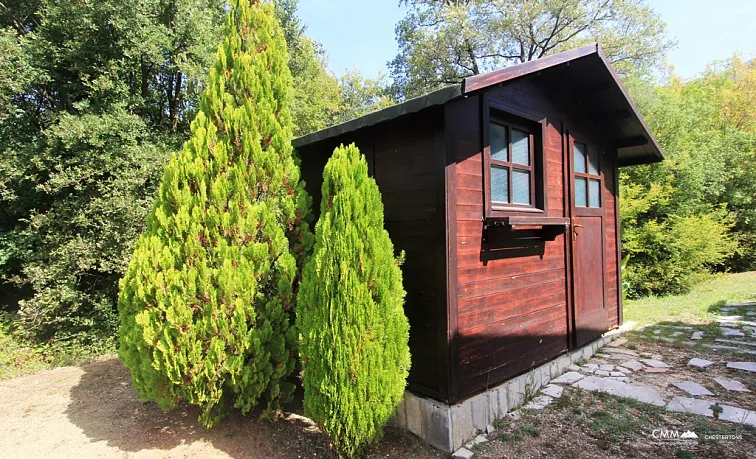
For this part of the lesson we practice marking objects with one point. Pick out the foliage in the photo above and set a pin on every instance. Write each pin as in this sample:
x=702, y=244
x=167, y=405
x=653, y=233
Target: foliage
x=205, y=304
x=442, y=42
x=104, y=86
x=354, y=334
x=695, y=211
x=94, y=97
x=19, y=356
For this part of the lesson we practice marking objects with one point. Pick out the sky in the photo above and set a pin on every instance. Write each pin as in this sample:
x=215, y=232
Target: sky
x=360, y=33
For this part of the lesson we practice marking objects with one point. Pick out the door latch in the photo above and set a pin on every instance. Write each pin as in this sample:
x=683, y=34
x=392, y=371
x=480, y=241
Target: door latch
x=575, y=226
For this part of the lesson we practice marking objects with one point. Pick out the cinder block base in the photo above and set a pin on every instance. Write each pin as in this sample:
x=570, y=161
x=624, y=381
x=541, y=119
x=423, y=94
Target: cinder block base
x=448, y=428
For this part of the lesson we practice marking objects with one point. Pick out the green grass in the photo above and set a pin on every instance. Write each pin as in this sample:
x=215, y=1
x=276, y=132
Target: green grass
x=697, y=307
x=19, y=358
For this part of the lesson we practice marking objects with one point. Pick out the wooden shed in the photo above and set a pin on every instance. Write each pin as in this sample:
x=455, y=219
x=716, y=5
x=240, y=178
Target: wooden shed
x=503, y=192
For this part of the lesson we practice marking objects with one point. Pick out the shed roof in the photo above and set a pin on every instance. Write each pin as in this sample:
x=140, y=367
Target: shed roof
x=584, y=73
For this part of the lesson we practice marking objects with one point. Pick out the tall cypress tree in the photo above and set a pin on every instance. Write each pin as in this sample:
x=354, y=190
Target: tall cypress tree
x=207, y=300
x=354, y=334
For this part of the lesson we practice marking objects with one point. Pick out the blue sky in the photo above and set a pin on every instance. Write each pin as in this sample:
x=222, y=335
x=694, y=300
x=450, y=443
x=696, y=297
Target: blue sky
x=360, y=33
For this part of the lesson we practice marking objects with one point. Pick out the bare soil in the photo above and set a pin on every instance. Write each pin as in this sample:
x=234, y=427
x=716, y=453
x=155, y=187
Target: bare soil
x=91, y=411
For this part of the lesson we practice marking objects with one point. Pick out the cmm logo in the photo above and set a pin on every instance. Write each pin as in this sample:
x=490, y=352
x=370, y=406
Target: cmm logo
x=666, y=434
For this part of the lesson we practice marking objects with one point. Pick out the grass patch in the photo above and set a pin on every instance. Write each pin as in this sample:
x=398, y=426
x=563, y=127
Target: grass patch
x=697, y=307
x=19, y=358
x=530, y=428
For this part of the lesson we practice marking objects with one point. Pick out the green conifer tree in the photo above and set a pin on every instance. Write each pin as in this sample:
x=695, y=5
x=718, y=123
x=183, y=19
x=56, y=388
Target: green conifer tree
x=206, y=304
x=354, y=334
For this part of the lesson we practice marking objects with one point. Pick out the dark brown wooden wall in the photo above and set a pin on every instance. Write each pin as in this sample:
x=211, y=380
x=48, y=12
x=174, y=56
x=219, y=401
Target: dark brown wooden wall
x=403, y=159
x=508, y=297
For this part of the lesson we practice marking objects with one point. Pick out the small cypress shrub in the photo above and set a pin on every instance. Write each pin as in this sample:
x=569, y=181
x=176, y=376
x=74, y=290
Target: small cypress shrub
x=206, y=304
x=354, y=334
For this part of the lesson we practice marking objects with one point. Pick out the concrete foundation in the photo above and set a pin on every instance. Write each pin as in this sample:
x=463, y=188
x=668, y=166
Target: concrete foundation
x=450, y=427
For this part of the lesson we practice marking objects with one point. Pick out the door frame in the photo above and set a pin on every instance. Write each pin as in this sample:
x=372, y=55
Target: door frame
x=570, y=136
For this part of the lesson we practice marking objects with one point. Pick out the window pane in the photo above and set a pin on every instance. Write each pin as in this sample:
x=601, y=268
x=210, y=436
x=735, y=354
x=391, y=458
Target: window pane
x=579, y=157
x=520, y=187
x=595, y=195
x=593, y=160
x=499, y=183
x=499, y=142
x=580, y=189
x=520, y=147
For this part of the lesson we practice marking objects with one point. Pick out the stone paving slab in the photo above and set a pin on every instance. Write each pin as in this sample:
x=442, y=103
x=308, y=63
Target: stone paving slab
x=642, y=394
x=732, y=341
x=612, y=350
x=463, y=453
x=617, y=342
x=601, y=373
x=700, y=363
x=746, y=366
x=737, y=415
x=693, y=388
x=697, y=335
x=539, y=403
x=679, y=327
x=655, y=370
x=741, y=304
x=653, y=363
x=726, y=331
x=568, y=378
x=732, y=385
x=691, y=405
x=553, y=390
x=721, y=347
x=614, y=356
x=633, y=365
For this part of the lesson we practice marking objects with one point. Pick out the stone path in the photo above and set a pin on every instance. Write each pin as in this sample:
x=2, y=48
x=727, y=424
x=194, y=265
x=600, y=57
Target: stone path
x=611, y=371
x=613, y=368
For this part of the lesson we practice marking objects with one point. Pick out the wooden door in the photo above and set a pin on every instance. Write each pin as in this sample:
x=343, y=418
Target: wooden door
x=588, y=246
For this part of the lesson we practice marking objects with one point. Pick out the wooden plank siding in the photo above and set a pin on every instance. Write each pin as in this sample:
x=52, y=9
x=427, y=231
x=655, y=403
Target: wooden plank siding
x=511, y=301
x=403, y=161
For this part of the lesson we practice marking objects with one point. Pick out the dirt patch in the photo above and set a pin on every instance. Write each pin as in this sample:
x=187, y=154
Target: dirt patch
x=92, y=411
x=595, y=425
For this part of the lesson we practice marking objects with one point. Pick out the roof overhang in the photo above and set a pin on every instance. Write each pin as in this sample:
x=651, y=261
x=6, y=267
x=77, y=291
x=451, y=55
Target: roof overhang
x=582, y=75
x=585, y=76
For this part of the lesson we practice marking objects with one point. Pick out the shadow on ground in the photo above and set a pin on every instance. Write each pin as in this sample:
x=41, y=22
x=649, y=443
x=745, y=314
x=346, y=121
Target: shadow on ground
x=106, y=408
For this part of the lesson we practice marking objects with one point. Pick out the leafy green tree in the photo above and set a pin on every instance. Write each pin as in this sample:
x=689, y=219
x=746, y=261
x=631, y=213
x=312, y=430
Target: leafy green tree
x=354, y=333
x=205, y=304
x=442, y=42
x=693, y=213
x=85, y=130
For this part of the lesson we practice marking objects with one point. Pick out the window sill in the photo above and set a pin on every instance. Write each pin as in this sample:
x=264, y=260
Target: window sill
x=551, y=227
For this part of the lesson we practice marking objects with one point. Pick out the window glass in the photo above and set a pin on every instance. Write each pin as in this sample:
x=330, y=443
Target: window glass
x=499, y=183
x=579, y=157
x=580, y=192
x=520, y=147
x=520, y=186
x=593, y=160
x=499, y=142
x=595, y=193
